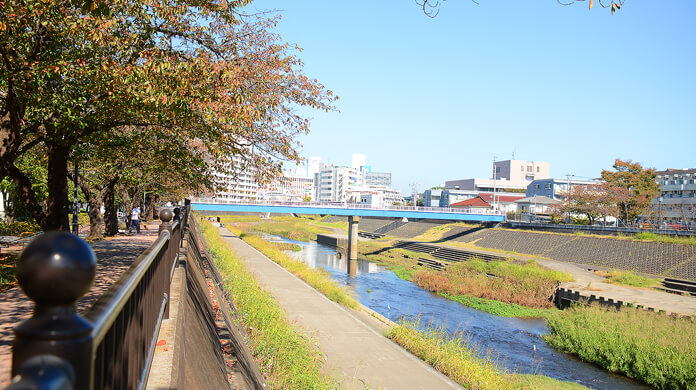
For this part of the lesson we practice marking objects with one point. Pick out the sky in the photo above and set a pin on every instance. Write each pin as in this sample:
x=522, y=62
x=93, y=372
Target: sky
x=435, y=99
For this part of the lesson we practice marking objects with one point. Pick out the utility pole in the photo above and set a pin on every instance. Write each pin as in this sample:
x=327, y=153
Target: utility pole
x=495, y=176
x=414, y=193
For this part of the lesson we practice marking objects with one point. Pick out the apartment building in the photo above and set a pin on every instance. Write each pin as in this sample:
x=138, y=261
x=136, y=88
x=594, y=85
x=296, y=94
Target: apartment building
x=677, y=201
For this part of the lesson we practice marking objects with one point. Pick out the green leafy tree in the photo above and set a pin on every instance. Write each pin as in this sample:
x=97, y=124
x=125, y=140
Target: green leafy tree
x=639, y=188
x=183, y=70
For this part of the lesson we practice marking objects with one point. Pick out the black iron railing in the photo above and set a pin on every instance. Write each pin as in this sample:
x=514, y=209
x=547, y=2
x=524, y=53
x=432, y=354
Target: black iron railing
x=111, y=347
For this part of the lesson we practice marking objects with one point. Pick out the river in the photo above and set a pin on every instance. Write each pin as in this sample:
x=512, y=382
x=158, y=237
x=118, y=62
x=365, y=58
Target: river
x=515, y=343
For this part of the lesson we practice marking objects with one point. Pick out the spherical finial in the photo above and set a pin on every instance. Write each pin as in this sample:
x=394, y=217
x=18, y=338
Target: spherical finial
x=56, y=268
x=166, y=215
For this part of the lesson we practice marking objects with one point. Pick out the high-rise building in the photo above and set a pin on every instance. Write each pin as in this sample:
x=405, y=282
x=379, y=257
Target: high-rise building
x=314, y=165
x=236, y=180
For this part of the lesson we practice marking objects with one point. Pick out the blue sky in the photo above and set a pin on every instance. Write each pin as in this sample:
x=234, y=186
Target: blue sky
x=436, y=99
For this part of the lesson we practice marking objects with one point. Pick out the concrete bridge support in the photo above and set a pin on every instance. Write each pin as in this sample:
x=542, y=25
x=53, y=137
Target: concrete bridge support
x=353, y=237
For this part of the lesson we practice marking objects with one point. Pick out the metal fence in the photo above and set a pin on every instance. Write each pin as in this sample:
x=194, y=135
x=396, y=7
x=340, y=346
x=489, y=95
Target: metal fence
x=111, y=347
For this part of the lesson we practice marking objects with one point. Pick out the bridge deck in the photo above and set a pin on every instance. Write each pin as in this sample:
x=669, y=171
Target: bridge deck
x=350, y=211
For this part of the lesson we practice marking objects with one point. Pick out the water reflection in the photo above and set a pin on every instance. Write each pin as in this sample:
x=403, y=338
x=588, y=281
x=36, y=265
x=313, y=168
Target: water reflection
x=516, y=343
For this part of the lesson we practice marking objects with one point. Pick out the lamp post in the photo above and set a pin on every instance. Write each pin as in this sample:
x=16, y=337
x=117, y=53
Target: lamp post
x=74, y=220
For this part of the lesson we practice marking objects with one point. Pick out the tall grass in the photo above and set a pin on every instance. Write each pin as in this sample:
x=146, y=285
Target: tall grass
x=288, y=358
x=451, y=355
x=627, y=278
x=654, y=348
x=454, y=357
x=295, y=229
x=526, y=284
x=665, y=239
x=317, y=278
x=239, y=218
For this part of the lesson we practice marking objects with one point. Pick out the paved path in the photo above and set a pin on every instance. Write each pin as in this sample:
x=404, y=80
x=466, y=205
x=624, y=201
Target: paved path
x=353, y=350
x=114, y=256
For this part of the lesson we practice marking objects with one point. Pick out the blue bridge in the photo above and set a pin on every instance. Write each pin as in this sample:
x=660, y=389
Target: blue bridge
x=352, y=211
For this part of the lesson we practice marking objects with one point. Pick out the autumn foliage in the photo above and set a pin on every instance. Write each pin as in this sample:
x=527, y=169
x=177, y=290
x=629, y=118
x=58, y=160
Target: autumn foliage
x=76, y=74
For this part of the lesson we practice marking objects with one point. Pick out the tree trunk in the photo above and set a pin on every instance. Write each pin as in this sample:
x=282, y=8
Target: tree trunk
x=110, y=215
x=94, y=211
x=127, y=205
x=57, y=183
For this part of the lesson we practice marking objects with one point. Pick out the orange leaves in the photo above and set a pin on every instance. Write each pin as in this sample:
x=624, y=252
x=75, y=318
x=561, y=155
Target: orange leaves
x=591, y=3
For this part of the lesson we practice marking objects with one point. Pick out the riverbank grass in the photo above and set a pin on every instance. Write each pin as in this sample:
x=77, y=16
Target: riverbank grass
x=505, y=288
x=288, y=359
x=654, y=348
x=630, y=279
x=297, y=229
x=453, y=356
x=317, y=278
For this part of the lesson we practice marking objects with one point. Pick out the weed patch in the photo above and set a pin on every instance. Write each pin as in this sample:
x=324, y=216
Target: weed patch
x=8, y=272
x=627, y=278
x=657, y=349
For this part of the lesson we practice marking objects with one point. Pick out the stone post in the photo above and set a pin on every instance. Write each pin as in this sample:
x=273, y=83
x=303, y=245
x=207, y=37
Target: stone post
x=166, y=218
x=55, y=270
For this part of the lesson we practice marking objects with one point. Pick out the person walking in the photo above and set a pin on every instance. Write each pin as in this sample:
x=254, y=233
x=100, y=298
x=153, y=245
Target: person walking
x=135, y=220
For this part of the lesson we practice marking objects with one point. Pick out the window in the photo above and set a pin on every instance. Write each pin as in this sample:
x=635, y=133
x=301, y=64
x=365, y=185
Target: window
x=529, y=168
x=536, y=186
x=497, y=169
x=548, y=186
x=522, y=168
x=537, y=169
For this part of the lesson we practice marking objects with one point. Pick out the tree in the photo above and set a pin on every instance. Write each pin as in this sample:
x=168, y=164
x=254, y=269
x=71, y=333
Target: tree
x=639, y=188
x=432, y=7
x=594, y=201
x=184, y=70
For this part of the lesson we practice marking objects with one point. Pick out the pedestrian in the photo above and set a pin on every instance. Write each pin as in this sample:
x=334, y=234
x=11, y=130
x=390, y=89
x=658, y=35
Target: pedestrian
x=135, y=220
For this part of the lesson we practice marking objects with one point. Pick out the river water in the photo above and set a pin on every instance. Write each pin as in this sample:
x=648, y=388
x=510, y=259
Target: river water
x=515, y=343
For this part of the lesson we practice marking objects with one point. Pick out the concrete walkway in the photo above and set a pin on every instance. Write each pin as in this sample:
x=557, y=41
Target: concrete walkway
x=354, y=351
x=114, y=256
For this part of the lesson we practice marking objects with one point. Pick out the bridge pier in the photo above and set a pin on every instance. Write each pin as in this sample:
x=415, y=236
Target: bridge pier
x=353, y=237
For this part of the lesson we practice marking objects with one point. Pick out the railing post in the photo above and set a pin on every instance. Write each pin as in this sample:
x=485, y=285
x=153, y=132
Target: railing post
x=54, y=271
x=165, y=218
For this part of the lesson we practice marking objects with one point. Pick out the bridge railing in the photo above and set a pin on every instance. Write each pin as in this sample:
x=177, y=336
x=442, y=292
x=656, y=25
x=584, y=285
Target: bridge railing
x=112, y=346
x=352, y=206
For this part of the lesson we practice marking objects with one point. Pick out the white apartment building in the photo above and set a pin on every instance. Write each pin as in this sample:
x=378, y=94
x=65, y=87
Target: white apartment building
x=291, y=188
x=377, y=179
x=677, y=201
x=379, y=196
x=333, y=183
x=236, y=182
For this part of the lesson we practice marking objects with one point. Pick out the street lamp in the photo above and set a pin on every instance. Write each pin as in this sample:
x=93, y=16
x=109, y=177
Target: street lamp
x=659, y=212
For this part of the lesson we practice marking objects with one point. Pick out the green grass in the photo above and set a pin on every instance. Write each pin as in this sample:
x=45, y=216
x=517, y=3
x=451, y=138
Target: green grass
x=317, y=278
x=654, y=348
x=239, y=218
x=451, y=355
x=286, y=246
x=540, y=382
x=627, y=278
x=289, y=359
x=454, y=357
x=499, y=308
x=665, y=239
x=295, y=229
x=8, y=272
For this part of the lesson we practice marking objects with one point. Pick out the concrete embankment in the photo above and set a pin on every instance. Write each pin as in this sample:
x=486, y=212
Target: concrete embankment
x=333, y=240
